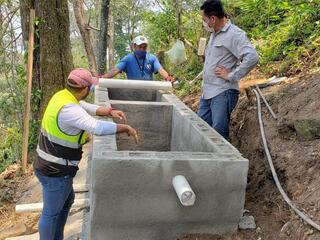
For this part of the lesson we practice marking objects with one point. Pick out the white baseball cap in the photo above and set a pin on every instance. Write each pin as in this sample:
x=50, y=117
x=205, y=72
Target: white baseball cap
x=140, y=40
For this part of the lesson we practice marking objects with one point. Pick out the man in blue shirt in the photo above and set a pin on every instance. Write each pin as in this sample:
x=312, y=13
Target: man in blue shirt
x=139, y=65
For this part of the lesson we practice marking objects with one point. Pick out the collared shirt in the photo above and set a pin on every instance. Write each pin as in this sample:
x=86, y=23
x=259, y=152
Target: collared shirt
x=229, y=48
x=73, y=118
x=139, y=69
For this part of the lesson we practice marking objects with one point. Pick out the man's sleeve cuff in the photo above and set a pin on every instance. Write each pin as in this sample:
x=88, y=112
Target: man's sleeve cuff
x=231, y=77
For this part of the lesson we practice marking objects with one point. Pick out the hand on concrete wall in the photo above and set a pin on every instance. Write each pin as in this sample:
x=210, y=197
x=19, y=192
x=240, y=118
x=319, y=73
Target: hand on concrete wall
x=119, y=114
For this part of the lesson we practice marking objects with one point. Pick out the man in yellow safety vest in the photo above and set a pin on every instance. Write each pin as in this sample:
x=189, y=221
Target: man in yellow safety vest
x=65, y=124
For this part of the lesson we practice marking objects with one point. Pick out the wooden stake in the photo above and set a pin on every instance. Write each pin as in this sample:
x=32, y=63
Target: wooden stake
x=28, y=91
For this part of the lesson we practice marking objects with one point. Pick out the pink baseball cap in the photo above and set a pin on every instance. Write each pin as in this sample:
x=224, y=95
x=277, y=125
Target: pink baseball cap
x=82, y=77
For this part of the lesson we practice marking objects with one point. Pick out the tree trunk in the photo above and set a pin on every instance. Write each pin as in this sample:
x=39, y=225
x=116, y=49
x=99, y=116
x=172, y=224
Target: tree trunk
x=85, y=33
x=24, y=14
x=103, y=37
x=178, y=18
x=55, y=59
x=95, y=20
x=25, y=6
x=111, y=43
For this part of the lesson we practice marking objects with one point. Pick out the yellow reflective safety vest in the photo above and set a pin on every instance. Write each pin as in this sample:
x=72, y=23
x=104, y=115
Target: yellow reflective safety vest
x=58, y=152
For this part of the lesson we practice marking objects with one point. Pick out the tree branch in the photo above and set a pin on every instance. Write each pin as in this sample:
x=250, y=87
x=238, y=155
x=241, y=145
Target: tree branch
x=13, y=41
x=85, y=33
x=93, y=28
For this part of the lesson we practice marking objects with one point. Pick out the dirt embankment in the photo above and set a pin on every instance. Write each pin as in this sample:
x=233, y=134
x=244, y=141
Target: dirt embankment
x=297, y=161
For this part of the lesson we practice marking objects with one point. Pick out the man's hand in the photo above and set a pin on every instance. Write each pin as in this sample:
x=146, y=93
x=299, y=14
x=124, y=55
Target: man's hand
x=124, y=128
x=169, y=78
x=133, y=133
x=88, y=137
x=119, y=114
x=222, y=72
x=110, y=74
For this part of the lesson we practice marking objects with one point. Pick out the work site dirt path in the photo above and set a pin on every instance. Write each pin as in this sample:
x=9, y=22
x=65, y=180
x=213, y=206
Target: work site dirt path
x=27, y=189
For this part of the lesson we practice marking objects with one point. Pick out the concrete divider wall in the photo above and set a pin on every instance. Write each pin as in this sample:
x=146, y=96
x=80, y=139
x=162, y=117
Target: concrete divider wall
x=197, y=134
x=132, y=196
x=145, y=95
x=152, y=120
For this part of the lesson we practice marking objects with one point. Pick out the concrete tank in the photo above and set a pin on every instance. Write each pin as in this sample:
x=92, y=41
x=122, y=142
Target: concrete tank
x=132, y=197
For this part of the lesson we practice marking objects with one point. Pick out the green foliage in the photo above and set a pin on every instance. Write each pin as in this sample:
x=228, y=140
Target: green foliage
x=121, y=42
x=10, y=147
x=184, y=73
x=160, y=28
x=11, y=121
x=12, y=98
x=287, y=32
x=78, y=53
x=11, y=104
x=127, y=15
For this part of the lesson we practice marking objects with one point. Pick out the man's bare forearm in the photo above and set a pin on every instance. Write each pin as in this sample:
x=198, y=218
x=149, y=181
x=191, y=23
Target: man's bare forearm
x=166, y=76
x=103, y=111
x=111, y=73
x=163, y=73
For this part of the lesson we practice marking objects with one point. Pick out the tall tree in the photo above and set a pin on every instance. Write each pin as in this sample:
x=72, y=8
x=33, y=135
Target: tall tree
x=103, y=37
x=85, y=33
x=24, y=15
x=178, y=17
x=54, y=51
x=111, y=55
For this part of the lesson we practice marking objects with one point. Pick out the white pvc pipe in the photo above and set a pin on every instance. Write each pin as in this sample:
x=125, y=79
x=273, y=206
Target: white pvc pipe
x=199, y=76
x=37, y=207
x=183, y=190
x=78, y=188
x=266, y=103
x=305, y=217
x=134, y=84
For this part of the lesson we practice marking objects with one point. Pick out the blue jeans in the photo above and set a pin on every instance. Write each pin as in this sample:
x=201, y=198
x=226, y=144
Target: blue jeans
x=58, y=196
x=216, y=111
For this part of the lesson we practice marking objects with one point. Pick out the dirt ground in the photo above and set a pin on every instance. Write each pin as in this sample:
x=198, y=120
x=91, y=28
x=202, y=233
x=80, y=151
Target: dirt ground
x=14, y=185
x=297, y=163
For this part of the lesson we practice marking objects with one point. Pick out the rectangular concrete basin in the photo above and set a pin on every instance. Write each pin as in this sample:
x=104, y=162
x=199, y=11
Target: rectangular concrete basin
x=132, y=196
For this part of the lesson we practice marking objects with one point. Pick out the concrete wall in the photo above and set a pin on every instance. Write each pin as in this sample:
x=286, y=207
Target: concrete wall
x=133, y=94
x=152, y=121
x=132, y=195
x=196, y=134
x=134, y=198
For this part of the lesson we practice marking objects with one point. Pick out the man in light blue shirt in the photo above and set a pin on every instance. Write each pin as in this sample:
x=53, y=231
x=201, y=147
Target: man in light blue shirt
x=139, y=65
x=229, y=57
